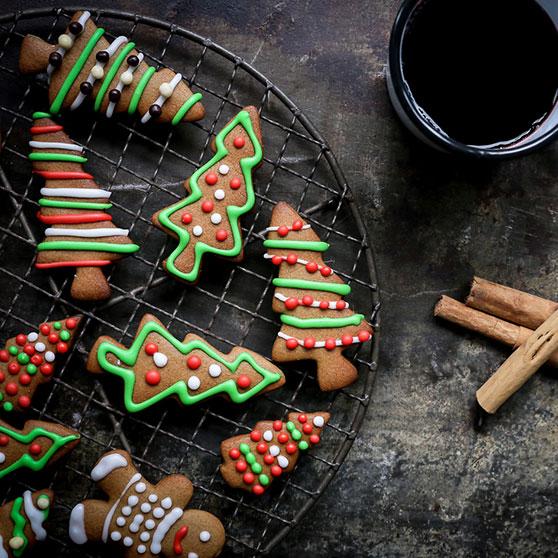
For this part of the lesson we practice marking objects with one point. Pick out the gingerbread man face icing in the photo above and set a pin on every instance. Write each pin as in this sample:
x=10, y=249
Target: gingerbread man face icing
x=145, y=519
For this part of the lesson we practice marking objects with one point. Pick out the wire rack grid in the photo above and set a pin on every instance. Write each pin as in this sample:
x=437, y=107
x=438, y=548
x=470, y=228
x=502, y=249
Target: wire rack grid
x=145, y=167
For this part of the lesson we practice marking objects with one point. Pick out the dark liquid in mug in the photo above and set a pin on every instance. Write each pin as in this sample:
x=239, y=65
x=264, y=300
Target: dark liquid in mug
x=484, y=71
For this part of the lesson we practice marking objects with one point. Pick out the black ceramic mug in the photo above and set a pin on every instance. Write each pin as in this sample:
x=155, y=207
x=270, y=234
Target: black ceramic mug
x=476, y=77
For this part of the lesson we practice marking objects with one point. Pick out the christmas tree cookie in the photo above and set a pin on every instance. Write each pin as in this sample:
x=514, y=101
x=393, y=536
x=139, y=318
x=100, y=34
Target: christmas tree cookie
x=36, y=445
x=219, y=193
x=28, y=359
x=111, y=74
x=317, y=322
x=251, y=461
x=142, y=518
x=21, y=522
x=80, y=233
x=158, y=365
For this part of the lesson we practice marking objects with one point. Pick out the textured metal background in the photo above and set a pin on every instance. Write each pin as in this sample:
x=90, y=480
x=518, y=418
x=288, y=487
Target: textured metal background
x=144, y=167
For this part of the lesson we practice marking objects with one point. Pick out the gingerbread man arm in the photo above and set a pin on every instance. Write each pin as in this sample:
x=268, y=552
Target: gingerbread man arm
x=176, y=487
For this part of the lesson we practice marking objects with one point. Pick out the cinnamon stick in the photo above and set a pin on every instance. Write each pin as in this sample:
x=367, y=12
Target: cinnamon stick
x=509, y=304
x=520, y=366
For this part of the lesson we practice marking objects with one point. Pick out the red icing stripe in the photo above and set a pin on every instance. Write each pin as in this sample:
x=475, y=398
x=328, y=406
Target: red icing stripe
x=45, y=129
x=63, y=175
x=177, y=545
x=79, y=263
x=73, y=218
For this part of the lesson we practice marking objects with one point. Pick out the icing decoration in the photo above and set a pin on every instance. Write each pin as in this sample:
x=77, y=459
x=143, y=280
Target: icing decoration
x=61, y=157
x=138, y=92
x=86, y=233
x=127, y=358
x=311, y=246
x=71, y=263
x=63, y=175
x=91, y=246
x=331, y=304
x=3, y=553
x=18, y=531
x=55, y=145
x=35, y=516
x=163, y=528
x=233, y=213
x=178, y=537
x=35, y=130
x=302, y=284
x=291, y=259
x=75, y=192
x=76, y=528
x=287, y=229
x=306, y=323
x=165, y=93
x=74, y=218
x=107, y=465
x=123, y=82
x=320, y=344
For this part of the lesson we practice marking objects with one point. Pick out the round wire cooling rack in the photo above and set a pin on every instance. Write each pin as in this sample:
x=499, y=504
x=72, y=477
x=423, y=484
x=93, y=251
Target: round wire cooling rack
x=144, y=166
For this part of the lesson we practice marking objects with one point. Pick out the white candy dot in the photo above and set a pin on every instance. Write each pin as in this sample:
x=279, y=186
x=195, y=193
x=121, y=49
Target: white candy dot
x=16, y=542
x=97, y=71
x=216, y=218
x=205, y=536
x=165, y=89
x=32, y=337
x=268, y=435
x=120, y=521
x=49, y=356
x=132, y=500
x=224, y=169
x=282, y=461
x=197, y=230
x=128, y=541
x=126, y=510
x=40, y=347
x=2, y=457
x=115, y=536
x=194, y=382
x=140, y=487
x=160, y=359
x=274, y=450
x=219, y=194
x=166, y=503
x=149, y=524
x=127, y=77
x=318, y=421
x=153, y=498
x=192, y=555
x=215, y=370
x=141, y=549
x=145, y=536
x=145, y=507
x=158, y=513
x=65, y=41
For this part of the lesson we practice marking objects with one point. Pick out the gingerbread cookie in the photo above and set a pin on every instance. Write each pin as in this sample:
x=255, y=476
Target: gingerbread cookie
x=113, y=75
x=80, y=233
x=21, y=522
x=251, y=461
x=219, y=193
x=37, y=445
x=145, y=519
x=317, y=323
x=158, y=365
x=28, y=360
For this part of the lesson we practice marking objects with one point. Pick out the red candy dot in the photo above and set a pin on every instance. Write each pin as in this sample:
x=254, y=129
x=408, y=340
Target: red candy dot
x=21, y=339
x=268, y=459
x=221, y=235
x=46, y=369
x=283, y=230
x=258, y=489
x=277, y=260
x=207, y=206
x=311, y=267
x=211, y=178
x=35, y=449
x=261, y=447
x=4, y=440
x=194, y=362
x=36, y=359
x=4, y=356
x=277, y=425
x=326, y=271
x=255, y=435
x=53, y=338
x=291, y=448
x=239, y=142
x=347, y=339
x=297, y=225
x=309, y=343
x=234, y=453
x=340, y=305
x=307, y=428
x=275, y=471
x=235, y=183
x=24, y=401
x=151, y=348
x=292, y=259
x=324, y=304
x=248, y=478
x=152, y=377
x=11, y=388
x=302, y=418
x=283, y=438
x=243, y=381
x=291, y=303
x=25, y=379
x=45, y=329
x=13, y=368
x=291, y=344
x=187, y=218
x=330, y=344
x=241, y=466
x=71, y=323
x=307, y=300
x=315, y=439
x=2, y=377
x=62, y=347
x=363, y=336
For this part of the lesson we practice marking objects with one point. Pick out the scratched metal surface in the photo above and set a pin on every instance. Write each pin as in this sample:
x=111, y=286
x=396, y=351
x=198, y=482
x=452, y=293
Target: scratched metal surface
x=418, y=481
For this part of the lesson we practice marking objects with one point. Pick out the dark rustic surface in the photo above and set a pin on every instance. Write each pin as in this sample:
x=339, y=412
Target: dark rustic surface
x=418, y=480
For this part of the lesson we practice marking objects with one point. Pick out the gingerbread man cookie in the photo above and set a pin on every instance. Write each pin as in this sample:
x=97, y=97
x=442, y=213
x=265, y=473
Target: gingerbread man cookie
x=145, y=519
x=219, y=193
x=158, y=365
x=317, y=323
x=113, y=75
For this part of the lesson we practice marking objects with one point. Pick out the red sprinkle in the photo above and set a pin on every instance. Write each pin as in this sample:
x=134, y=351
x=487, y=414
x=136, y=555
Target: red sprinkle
x=234, y=453
x=268, y=459
x=152, y=377
x=2, y=376
x=151, y=348
x=315, y=439
x=311, y=267
x=291, y=303
x=307, y=300
x=4, y=356
x=36, y=359
x=297, y=225
x=207, y=206
x=239, y=142
x=330, y=344
x=324, y=304
x=211, y=178
x=292, y=259
x=24, y=401
x=291, y=344
x=258, y=489
x=309, y=343
x=277, y=425
x=35, y=449
x=275, y=471
x=46, y=369
x=194, y=362
x=243, y=381
x=277, y=260
x=25, y=379
x=261, y=447
x=347, y=339
x=45, y=329
x=363, y=336
x=340, y=305
x=29, y=349
x=187, y=218
x=21, y=339
x=4, y=440
x=71, y=323
x=255, y=435
x=14, y=368
x=302, y=418
x=283, y=438
x=235, y=183
x=11, y=388
x=62, y=347
x=248, y=477
x=221, y=235
x=307, y=428
x=241, y=466
x=326, y=271
x=283, y=230
x=291, y=448
x=53, y=338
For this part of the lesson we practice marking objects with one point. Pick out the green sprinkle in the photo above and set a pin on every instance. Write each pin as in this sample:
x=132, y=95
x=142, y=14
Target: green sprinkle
x=31, y=369
x=256, y=468
x=13, y=350
x=290, y=426
x=41, y=115
x=62, y=157
x=8, y=406
x=296, y=435
x=303, y=445
x=244, y=448
x=65, y=335
x=181, y=113
x=264, y=480
x=139, y=90
x=57, y=325
x=22, y=358
x=250, y=459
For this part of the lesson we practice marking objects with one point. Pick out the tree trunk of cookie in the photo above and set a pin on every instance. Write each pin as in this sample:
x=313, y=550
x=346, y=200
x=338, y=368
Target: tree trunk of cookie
x=90, y=284
x=335, y=372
